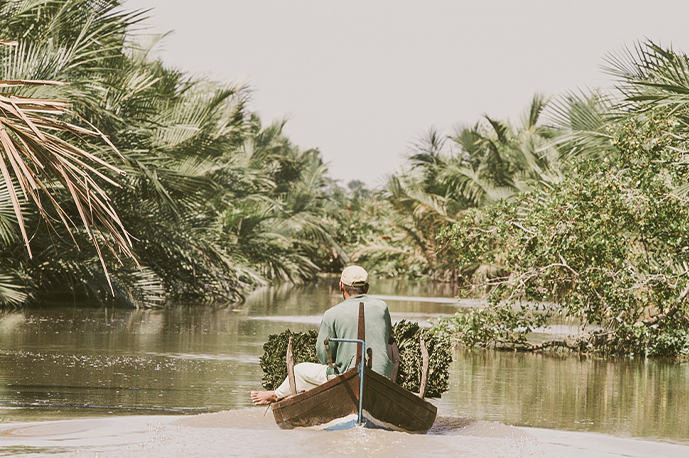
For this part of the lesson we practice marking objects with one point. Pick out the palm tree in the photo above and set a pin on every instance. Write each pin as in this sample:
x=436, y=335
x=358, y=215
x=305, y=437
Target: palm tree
x=274, y=206
x=45, y=156
x=473, y=168
x=84, y=42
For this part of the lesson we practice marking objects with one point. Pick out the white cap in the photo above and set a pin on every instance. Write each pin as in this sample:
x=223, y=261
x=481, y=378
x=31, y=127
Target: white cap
x=354, y=276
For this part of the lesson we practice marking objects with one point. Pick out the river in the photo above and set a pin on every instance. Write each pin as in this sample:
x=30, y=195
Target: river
x=79, y=381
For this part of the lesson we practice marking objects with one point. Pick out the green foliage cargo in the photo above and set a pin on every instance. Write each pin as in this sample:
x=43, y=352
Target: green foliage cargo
x=407, y=335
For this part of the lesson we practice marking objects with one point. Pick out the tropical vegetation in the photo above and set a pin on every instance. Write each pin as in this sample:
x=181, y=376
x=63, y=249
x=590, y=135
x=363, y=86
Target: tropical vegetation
x=605, y=247
x=205, y=202
x=127, y=182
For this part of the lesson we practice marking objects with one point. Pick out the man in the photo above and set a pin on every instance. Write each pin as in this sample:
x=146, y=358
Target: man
x=341, y=321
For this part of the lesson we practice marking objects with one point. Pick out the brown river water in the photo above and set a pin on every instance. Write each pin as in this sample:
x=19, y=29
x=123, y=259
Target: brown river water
x=79, y=381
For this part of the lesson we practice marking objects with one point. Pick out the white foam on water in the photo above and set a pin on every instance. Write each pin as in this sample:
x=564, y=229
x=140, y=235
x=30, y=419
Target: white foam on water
x=252, y=432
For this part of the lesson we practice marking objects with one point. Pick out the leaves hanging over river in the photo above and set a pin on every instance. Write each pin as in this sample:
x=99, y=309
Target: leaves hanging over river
x=407, y=334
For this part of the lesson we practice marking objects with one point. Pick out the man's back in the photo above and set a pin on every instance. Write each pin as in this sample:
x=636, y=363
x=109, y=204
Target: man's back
x=341, y=321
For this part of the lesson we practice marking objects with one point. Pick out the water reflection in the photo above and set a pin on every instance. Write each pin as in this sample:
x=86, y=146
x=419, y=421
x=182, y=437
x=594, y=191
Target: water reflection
x=58, y=362
x=74, y=362
x=628, y=397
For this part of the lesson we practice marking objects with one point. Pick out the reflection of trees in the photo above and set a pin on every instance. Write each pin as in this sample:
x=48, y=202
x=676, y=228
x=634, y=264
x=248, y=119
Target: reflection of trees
x=312, y=298
x=187, y=357
x=10, y=321
x=618, y=396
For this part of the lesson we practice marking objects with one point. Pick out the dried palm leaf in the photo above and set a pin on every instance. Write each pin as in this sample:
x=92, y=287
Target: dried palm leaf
x=43, y=164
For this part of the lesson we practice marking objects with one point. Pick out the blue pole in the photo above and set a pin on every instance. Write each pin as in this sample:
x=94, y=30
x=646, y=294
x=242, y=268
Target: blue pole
x=361, y=372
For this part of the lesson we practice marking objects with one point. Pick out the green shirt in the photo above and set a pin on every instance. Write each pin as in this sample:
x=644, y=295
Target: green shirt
x=342, y=321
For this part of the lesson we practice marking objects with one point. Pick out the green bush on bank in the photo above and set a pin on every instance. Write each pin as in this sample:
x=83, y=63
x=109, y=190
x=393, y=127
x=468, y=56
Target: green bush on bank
x=606, y=244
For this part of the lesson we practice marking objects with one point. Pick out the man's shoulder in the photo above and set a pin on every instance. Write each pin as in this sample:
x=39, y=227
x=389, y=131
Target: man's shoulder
x=353, y=303
x=372, y=300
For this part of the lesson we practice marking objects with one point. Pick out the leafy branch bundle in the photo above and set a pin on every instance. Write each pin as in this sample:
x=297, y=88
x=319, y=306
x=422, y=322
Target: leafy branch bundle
x=273, y=361
x=407, y=335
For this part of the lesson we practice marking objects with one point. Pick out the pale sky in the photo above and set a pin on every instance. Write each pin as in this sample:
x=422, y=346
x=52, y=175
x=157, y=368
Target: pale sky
x=363, y=80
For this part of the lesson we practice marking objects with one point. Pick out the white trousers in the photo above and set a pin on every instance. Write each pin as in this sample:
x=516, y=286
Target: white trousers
x=306, y=377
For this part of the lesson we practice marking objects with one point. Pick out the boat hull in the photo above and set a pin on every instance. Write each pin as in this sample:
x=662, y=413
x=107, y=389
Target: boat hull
x=333, y=405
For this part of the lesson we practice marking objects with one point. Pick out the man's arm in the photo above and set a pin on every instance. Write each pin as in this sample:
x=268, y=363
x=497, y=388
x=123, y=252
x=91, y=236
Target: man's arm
x=324, y=332
x=393, y=350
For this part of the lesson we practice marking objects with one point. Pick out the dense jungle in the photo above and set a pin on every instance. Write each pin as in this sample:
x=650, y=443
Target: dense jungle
x=128, y=183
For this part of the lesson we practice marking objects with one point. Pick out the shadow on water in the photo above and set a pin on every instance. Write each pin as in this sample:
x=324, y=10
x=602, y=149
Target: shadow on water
x=450, y=425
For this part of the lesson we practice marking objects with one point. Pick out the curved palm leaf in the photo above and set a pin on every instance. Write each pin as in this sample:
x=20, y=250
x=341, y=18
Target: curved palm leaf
x=41, y=161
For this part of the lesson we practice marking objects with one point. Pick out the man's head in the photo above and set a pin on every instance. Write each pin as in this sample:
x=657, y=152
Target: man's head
x=354, y=281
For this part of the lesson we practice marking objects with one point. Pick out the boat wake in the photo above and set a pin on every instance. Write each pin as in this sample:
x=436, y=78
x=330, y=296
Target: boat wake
x=252, y=432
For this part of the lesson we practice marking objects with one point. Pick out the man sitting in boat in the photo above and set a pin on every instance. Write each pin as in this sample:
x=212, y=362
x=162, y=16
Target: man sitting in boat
x=341, y=321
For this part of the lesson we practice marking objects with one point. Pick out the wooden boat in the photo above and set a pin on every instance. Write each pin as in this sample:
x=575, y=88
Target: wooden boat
x=336, y=403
